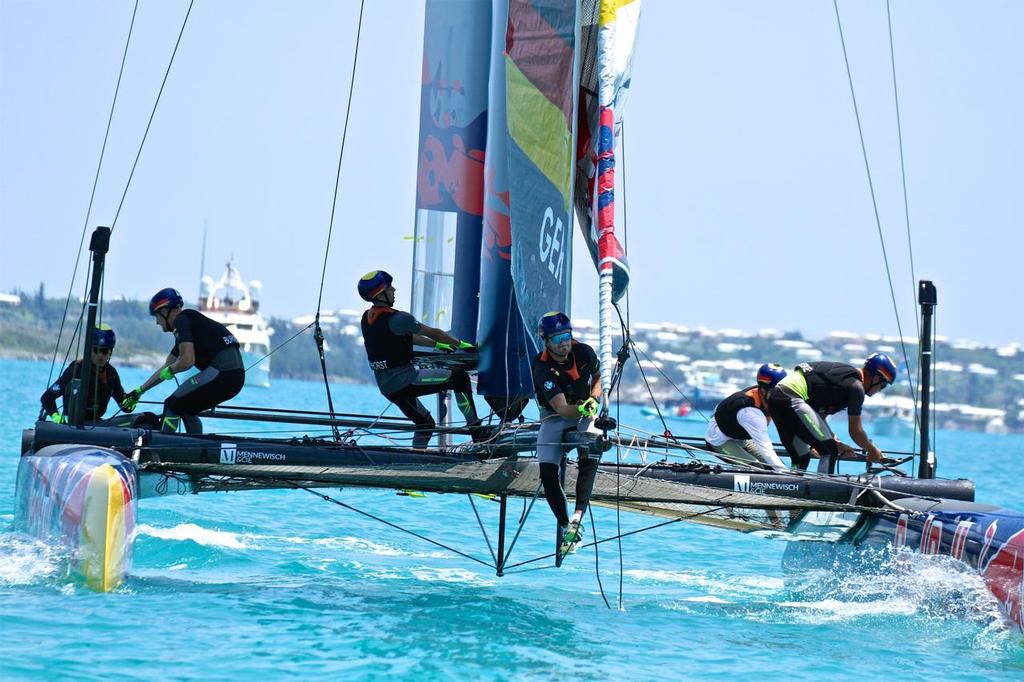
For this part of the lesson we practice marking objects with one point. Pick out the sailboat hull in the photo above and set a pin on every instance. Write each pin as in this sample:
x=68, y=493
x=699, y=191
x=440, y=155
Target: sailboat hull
x=988, y=538
x=82, y=499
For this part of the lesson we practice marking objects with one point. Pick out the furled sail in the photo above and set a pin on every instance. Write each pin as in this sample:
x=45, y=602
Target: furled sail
x=449, y=183
x=540, y=46
x=607, y=38
x=504, y=372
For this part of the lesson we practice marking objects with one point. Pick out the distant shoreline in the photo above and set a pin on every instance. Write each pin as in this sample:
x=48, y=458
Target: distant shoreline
x=977, y=387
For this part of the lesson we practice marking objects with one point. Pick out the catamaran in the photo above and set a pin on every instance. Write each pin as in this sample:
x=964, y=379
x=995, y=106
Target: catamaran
x=520, y=108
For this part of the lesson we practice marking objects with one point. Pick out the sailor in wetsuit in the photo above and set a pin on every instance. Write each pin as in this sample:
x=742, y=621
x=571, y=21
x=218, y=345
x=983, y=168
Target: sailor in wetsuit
x=801, y=401
x=198, y=341
x=739, y=429
x=567, y=378
x=104, y=384
x=389, y=336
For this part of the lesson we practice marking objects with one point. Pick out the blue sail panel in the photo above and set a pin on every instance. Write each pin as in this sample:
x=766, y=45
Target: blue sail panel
x=540, y=73
x=505, y=350
x=450, y=168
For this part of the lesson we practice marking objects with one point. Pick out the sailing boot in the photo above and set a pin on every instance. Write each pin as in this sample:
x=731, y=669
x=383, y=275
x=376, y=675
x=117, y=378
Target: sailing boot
x=572, y=537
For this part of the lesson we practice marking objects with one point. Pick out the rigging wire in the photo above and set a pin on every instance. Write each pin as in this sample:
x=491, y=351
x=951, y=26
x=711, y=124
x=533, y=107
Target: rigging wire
x=903, y=170
x=318, y=334
x=625, y=334
x=874, y=199
x=152, y=115
x=280, y=346
x=906, y=208
x=92, y=194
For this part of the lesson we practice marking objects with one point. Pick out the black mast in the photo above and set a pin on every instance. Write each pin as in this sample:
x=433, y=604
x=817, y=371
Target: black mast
x=927, y=298
x=99, y=244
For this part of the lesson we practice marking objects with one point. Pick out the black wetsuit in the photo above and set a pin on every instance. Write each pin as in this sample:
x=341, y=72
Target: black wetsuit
x=221, y=371
x=801, y=401
x=104, y=385
x=387, y=337
x=574, y=379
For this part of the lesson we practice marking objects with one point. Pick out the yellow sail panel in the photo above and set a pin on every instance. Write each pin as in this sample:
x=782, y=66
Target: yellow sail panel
x=539, y=128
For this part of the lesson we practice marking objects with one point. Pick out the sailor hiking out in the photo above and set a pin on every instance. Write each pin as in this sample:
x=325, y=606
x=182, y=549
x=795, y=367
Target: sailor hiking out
x=567, y=378
x=739, y=429
x=104, y=384
x=200, y=342
x=389, y=336
x=801, y=402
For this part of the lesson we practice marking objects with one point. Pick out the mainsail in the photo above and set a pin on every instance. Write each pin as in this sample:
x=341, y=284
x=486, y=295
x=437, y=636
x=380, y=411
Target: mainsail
x=449, y=184
x=504, y=371
x=607, y=38
x=540, y=73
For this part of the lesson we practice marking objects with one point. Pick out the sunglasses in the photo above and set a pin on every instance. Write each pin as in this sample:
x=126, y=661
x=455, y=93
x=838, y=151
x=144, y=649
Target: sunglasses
x=560, y=338
x=101, y=351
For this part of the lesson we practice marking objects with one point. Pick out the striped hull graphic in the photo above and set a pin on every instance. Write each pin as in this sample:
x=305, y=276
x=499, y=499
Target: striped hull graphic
x=84, y=499
x=988, y=538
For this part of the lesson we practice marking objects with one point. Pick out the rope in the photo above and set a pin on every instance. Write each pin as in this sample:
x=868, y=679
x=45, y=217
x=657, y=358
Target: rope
x=280, y=346
x=597, y=563
x=318, y=334
x=341, y=156
x=903, y=170
x=617, y=537
x=328, y=498
x=874, y=200
x=92, y=194
x=906, y=214
x=483, y=530
x=152, y=115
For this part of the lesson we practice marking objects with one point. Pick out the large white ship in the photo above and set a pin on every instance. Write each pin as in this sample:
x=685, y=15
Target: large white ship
x=236, y=305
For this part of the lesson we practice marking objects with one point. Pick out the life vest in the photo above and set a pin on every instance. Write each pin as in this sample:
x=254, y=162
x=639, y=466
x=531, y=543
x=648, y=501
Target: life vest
x=825, y=390
x=384, y=348
x=725, y=413
x=574, y=381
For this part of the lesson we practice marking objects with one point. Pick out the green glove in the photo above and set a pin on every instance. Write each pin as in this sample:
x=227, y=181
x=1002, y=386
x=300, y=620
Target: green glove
x=446, y=347
x=57, y=419
x=131, y=400
x=166, y=374
x=466, y=345
x=588, y=408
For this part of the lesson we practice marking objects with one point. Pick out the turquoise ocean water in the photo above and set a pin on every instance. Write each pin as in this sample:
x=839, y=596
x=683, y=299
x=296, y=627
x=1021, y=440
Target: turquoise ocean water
x=280, y=584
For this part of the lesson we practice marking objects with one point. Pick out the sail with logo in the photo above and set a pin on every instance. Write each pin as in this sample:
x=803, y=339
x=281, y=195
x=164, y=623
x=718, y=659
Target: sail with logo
x=450, y=167
x=540, y=76
x=500, y=169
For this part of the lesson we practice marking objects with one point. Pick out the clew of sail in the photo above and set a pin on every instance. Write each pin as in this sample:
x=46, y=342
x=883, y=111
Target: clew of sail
x=540, y=72
x=450, y=173
x=607, y=36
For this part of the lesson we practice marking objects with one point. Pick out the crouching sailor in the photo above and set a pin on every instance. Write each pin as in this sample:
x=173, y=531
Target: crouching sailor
x=103, y=385
x=801, y=401
x=739, y=429
x=389, y=336
x=200, y=342
x=567, y=378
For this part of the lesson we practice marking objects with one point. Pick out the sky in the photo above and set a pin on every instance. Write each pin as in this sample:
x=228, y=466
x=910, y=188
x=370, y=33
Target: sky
x=745, y=200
